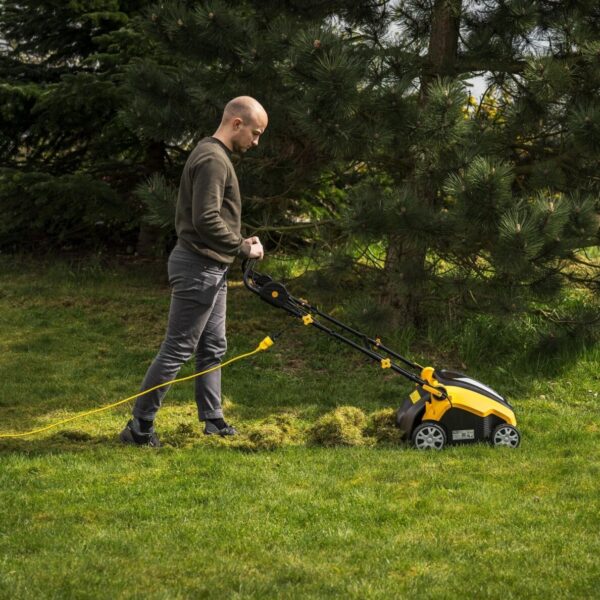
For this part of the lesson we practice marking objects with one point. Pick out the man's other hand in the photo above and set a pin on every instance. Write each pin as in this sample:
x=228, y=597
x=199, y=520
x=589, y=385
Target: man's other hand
x=256, y=249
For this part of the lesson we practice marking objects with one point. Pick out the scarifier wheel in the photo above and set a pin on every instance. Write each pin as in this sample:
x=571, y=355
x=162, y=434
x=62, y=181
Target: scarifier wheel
x=506, y=435
x=429, y=436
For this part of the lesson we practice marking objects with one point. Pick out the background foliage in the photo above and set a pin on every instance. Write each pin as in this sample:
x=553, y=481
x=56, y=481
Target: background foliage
x=377, y=165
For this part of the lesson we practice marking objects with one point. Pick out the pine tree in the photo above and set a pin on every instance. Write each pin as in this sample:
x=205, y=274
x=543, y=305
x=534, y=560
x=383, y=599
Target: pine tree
x=376, y=158
x=486, y=201
x=68, y=165
x=508, y=194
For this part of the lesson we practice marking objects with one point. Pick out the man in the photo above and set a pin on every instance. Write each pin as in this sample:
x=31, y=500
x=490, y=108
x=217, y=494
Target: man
x=208, y=224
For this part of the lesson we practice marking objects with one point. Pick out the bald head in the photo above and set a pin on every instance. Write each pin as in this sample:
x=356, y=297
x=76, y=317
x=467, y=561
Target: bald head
x=244, y=107
x=244, y=121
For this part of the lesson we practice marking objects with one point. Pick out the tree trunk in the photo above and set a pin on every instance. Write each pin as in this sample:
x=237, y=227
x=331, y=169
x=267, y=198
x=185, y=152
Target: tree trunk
x=405, y=276
x=405, y=260
x=443, y=41
x=150, y=237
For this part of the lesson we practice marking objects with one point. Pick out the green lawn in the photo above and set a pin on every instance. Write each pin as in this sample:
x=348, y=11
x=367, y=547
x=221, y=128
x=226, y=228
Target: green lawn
x=83, y=517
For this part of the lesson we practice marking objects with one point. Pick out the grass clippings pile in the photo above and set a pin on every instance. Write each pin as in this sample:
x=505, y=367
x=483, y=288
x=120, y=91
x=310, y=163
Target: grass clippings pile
x=183, y=436
x=382, y=426
x=343, y=426
x=272, y=433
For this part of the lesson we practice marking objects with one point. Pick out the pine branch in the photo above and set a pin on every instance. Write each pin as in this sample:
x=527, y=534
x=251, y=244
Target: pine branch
x=585, y=263
x=295, y=227
x=554, y=317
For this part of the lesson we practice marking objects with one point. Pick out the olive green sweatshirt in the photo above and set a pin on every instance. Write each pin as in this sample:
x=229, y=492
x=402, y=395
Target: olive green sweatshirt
x=209, y=205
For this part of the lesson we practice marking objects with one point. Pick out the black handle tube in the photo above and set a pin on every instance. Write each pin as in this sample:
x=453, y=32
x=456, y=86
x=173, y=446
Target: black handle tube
x=369, y=353
x=248, y=271
x=362, y=335
x=299, y=309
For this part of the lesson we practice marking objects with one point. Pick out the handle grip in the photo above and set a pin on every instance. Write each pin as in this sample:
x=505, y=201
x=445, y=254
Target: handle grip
x=248, y=270
x=248, y=265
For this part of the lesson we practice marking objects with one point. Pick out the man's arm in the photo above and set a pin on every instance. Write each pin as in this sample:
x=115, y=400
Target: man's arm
x=208, y=185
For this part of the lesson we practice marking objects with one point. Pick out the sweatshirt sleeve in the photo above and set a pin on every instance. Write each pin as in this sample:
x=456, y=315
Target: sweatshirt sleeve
x=209, y=178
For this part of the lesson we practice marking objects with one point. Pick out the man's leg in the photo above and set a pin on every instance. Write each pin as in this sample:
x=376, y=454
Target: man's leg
x=187, y=319
x=195, y=292
x=210, y=349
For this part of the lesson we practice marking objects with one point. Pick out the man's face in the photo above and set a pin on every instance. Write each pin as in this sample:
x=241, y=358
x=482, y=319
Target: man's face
x=246, y=134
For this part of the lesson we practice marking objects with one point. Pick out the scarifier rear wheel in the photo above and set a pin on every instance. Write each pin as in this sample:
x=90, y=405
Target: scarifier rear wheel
x=429, y=436
x=506, y=435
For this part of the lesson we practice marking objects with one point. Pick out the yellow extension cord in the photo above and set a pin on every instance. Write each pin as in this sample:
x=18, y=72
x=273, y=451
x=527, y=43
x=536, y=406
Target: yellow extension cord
x=264, y=345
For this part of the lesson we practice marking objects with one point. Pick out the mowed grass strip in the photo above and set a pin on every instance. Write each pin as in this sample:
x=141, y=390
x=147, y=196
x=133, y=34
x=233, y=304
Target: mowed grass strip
x=83, y=517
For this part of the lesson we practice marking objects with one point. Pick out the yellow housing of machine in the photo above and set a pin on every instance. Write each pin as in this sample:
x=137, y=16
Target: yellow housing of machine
x=468, y=400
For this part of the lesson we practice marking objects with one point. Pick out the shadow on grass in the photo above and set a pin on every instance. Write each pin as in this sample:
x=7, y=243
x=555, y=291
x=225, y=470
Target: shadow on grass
x=68, y=440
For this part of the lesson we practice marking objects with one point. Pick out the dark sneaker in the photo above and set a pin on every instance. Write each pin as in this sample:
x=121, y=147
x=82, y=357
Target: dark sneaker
x=212, y=429
x=130, y=435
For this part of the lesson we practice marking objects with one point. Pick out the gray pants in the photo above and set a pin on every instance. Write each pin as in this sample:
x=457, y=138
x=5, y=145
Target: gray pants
x=196, y=325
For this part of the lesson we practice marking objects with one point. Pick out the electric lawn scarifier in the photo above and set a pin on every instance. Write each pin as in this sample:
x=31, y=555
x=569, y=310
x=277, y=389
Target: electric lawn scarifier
x=445, y=408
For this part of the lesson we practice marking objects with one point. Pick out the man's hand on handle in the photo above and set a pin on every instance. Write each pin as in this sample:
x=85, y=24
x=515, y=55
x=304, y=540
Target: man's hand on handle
x=256, y=249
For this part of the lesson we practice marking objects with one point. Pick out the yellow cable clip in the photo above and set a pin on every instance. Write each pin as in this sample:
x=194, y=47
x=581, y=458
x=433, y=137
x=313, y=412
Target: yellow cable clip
x=307, y=319
x=266, y=343
x=386, y=363
x=378, y=341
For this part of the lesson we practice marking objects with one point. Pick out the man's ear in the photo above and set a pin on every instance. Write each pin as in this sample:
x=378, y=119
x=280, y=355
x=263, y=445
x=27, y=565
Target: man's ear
x=237, y=123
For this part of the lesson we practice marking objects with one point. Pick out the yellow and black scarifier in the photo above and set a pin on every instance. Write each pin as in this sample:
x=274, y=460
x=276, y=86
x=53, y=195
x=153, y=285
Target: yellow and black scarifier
x=445, y=407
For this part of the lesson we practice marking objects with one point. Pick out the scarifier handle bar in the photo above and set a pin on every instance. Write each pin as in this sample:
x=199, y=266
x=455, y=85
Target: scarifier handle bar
x=276, y=294
x=254, y=281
